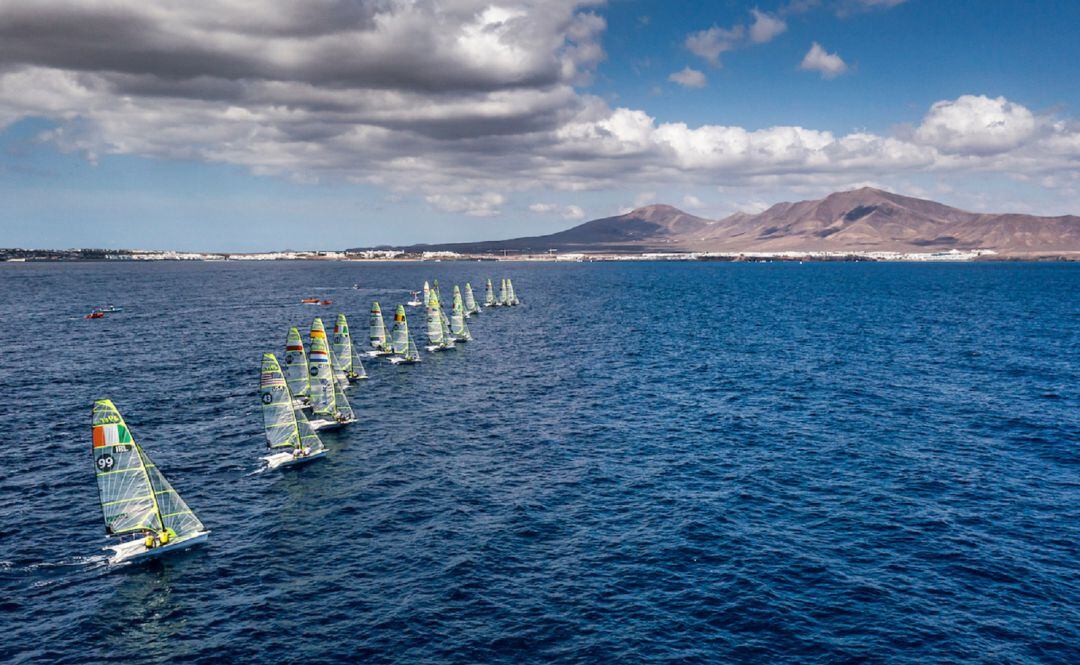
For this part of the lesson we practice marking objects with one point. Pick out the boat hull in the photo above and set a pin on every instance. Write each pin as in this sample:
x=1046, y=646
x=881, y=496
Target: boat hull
x=435, y=348
x=329, y=425
x=281, y=460
x=134, y=551
x=398, y=360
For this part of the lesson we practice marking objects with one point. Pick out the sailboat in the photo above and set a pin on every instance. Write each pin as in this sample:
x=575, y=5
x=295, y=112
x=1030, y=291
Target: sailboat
x=470, y=301
x=405, y=352
x=437, y=330
x=458, y=327
x=427, y=293
x=380, y=345
x=296, y=368
x=347, y=358
x=330, y=408
x=504, y=299
x=489, y=296
x=435, y=290
x=511, y=296
x=288, y=433
x=137, y=501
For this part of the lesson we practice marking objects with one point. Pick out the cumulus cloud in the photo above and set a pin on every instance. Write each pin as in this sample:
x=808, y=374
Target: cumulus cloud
x=312, y=95
x=480, y=205
x=573, y=212
x=765, y=26
x=566, y=212
x=710, y=44
x=817, y=59
x=976, y=125
x=688, y=78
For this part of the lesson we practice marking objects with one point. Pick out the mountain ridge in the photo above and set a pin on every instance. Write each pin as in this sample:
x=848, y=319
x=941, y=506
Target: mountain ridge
x=859, y=220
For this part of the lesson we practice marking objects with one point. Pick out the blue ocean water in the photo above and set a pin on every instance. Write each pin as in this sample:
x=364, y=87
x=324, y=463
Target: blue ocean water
x=644, y=463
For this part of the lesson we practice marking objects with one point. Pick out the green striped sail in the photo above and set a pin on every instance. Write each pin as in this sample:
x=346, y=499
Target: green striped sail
x=412, y=353
x=503, y=299
x=511, y=298
x=377, y=335
x=434, y=322
x=458, y=327
x=342, y=408
x=489, y=295
x=445, y=326
x=400, y=333
x=336, y=369
x=296, y=364
x=470, y=300
x=284, y=423
x=135, y=495
x=320, y=371
x=427, y=294
x=342, y=346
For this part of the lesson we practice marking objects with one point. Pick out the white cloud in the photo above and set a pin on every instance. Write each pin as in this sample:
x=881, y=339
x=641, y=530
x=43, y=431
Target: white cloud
x=976, y=125
x=765, y=26
x=691, y=201
x=573, y=212
x=543, y=208
x=467, y=140
x=709, y=44
x=480, y=205
x=688, y=78
x=830, y=65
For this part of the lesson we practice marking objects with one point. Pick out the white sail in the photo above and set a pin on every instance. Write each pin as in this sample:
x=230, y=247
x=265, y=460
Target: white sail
x=296, y=365
x=135, y=495
x=342, y=346
x=322, y=378
x=434, y=322
x=412, y=354
x=447, y=336
x=511, y=297
x=284, y=423
x=427, y=294
x=489, y=295
x=342, y=409
x=458, y=328
x=503, y=298
x=377, y=336
x=470, y=301
x=400, y=332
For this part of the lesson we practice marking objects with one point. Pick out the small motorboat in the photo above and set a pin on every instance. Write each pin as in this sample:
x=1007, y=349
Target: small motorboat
x=96, y=314
x=310, y=301
x=415, y=302
x=326, y=302
x=109, y=309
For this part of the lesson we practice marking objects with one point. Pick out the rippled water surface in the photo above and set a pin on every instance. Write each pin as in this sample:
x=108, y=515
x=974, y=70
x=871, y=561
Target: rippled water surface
x=643, y=463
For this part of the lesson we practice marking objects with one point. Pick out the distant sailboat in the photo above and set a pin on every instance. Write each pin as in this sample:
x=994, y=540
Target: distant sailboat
x=458, y=327
x=289, y=435
x=427, y=293
x=136, y=498
x=511, y=296
x=330, y=408
x=435, y=290
x=489, y=295
x=380, y=345
x=296, y=368
x=405, y=352
x=437, y=330
x=343, y=349
x=470, y=301
x=504, y=298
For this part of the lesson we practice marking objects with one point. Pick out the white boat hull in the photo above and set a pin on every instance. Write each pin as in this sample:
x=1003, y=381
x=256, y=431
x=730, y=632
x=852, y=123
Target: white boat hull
x=328, y=425
x=434, y=348
x=399, y=360
x=134, y=551
x=279, y=460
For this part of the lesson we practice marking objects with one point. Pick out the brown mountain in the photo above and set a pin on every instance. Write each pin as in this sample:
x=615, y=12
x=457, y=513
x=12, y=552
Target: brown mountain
x=864, y=219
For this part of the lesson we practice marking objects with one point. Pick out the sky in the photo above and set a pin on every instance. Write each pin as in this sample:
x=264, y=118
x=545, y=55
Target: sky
x=257, y=125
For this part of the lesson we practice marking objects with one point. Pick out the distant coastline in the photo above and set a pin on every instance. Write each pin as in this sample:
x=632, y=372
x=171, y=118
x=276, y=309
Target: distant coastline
x=17, y=255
